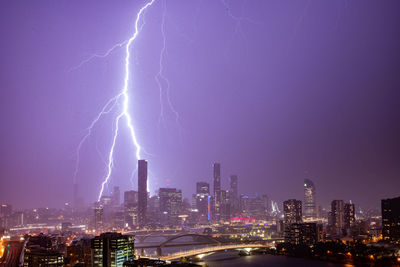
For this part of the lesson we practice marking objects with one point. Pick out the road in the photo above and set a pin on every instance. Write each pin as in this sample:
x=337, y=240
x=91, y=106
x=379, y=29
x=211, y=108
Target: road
x=11, y=254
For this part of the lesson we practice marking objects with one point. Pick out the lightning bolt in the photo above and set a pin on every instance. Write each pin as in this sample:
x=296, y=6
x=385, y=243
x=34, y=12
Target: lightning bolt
x=93, y=56
x=160, y=77
x=123, y=95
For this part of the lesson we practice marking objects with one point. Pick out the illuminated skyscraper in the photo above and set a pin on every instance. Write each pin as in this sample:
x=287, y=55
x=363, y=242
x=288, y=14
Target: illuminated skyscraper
x=112, y=249
x=292, y=211
x=217, y=190
x=309, y=199
x=142, y=191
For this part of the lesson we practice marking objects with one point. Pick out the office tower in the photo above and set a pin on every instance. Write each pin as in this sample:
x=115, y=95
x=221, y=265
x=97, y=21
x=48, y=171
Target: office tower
x=234, y=195
x=225, y=207
x=391, y=219
x=131, y=198
x=170, y=204
x=244, y=203
x=266, y=204
x=202, y=188
x=201, y=200
x=116, y=196
x=337, y=217
x=292, y=211
x=217, y=190
x=142, y=191
x=98, y=218
x=309, y=199
x=349, y=215
x=112, y=249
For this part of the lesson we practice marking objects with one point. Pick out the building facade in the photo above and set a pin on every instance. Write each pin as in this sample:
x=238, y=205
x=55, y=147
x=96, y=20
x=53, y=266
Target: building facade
x=142, y=192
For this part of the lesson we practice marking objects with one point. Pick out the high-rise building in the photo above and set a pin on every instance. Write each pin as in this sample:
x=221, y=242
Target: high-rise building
x=349, y=215
x=116, y=196
x=112, y=249
x=217, y=190
x=292, y=211
x=225, y=207
x=142, y=191
x=170, y=204
x=202, y=200
x=309, y=199
x=266, y=204
x=234, y=194
x=98, y=218
x=337, y=217
x=130, y=198
x=391, y=219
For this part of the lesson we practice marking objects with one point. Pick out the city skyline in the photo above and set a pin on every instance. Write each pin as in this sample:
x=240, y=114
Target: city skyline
x=274, y=92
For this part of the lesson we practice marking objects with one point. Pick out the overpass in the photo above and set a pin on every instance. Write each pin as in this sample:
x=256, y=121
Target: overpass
x=212, y=249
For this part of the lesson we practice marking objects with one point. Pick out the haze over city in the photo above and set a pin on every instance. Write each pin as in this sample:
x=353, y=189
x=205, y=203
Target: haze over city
x=273, y=90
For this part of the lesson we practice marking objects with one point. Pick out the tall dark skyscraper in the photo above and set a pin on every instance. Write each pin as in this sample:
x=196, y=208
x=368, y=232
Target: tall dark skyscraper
x=309, y=199
x=349, y=215
x=142, y=191
x=337, y=216
x=233, y=193
x=391, y=219
x=217, y=190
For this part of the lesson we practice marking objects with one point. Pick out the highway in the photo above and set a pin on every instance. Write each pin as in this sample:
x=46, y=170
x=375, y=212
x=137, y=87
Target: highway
x=11, y=254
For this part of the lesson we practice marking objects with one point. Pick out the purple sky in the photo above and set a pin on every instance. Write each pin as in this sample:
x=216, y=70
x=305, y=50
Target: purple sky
x=293, y=90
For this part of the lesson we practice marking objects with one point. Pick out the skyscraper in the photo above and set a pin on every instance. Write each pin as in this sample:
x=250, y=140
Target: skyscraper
x=142, y=191
x=337, y=216
x=309, y=199
x=170, y=204
x=292, y=211
x=116, y=196
x=233, y=193
x=391, y=219
x=292, y=215
x=98, y=218
x=202, y=200
x=217, y=190
x=349, y=215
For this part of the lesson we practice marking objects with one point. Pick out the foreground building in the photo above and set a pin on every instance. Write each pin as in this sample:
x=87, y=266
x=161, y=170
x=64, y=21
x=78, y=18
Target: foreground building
x=112, y=249
x=391, y=219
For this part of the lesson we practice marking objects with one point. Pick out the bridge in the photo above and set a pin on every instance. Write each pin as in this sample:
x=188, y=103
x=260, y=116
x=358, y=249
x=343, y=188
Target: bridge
x=212, y=249
x=194, y=240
